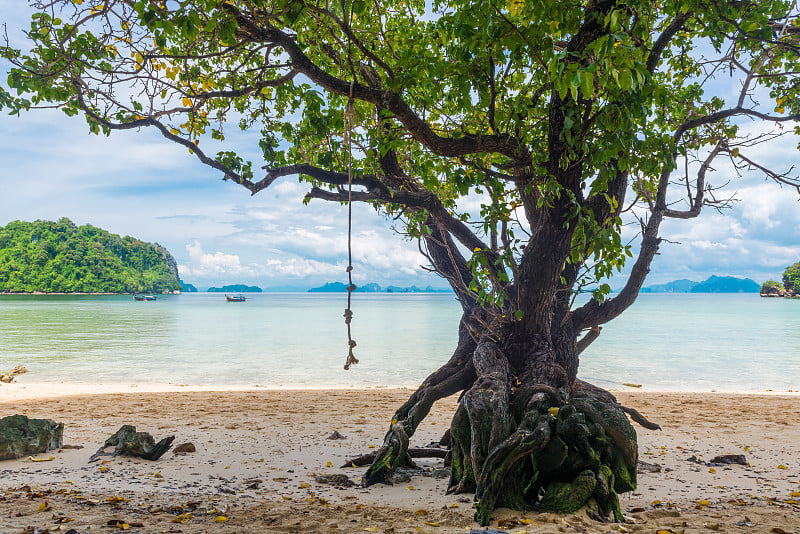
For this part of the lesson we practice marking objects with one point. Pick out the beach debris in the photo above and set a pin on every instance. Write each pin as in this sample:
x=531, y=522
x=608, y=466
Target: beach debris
x=631, y=385
x=128, y=442
x=645, y=467
x=341, y=481
x=20, y=436
x=336, y=435
x=8, y=376
x=729, y=459
x=184, y=448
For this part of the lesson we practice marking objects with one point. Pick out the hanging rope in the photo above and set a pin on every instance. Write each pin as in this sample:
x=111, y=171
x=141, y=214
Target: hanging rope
x=348, y=313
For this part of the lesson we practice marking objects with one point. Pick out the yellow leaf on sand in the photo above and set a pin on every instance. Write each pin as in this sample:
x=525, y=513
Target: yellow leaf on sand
x=305, y=485
x=44, y=507
x=411, y=488
x=782, y=467
x=712, y=470
x=122, y=525
x=454, y=505
x=220, y=519
x=371, y=529
x=703, y=503
x=421, y=512
x=746, y=448
x=525, y=521
x=103, y=469
x=32, y=459
x=329, y=464
x=664, y=531
x=795, y=494
x=432, y=523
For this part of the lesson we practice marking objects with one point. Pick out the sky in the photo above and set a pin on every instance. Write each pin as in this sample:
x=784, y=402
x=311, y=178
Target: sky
x=138, y=184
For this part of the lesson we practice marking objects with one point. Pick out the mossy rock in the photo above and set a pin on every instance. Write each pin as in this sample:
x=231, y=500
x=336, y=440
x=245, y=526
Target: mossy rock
x=569, y=497
x=21, y=436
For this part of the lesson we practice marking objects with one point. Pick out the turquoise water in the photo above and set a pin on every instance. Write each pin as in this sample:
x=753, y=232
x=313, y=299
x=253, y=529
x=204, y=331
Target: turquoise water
x=673, y=342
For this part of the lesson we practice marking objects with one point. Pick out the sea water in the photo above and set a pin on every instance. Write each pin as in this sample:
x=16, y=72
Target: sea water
x=688, y=342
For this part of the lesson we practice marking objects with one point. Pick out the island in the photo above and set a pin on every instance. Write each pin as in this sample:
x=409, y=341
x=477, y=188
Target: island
x=235, y=288
x=339, y=287
x=713, y=284
x=61, y=257
x=187, y=288
x=790, y=288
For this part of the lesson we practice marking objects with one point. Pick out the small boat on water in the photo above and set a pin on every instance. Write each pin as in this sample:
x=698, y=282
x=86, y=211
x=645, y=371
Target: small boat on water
x=144, y=297
x=235, y=298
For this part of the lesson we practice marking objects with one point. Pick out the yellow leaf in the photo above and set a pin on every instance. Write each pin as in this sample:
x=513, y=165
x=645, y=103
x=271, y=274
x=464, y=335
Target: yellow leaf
x=186, y=102
x=791, y=501
x=220, y=519
x=103, y=469
x=712, y=470
x=329, y=464
x=525, y=521
x=122, y=525
x=432, y=523
x=782, y=467
x=703, y=503
x=411, y=488
x=259, y=461
x=746, y=448
x=44, y=507
x=454, y=505
x=795, y=494
x=735, y=152
x=664, y=531
x=421, y=512
x=370, y=446
x=553, y=411
x=305, y=485
x=371, y=529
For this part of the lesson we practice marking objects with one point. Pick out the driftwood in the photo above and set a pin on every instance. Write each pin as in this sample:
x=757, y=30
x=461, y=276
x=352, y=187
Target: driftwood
x=128, y=442
x=8, y=376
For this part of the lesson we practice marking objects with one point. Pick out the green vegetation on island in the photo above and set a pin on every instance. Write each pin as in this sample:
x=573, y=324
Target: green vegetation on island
x=61, y=257
x=790, y=286
x=235, y=288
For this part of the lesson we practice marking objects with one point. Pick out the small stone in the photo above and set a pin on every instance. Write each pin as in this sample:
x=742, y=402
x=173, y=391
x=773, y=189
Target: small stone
x=336, y=435
x=335, y=480
x=738, y=459
x=644, y=467
x=183, y=448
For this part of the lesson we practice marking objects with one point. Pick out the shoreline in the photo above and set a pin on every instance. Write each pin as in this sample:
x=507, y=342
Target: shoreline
x=20, y=389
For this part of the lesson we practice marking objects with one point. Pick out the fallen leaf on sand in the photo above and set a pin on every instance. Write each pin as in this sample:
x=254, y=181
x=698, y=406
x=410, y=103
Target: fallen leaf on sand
x=371, y=529
x=781, y=466
x=45, y=506
x=32, y=459
x=220, y=519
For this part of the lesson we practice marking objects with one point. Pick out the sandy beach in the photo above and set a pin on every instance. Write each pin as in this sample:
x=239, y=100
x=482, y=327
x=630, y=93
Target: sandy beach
x=259, y=453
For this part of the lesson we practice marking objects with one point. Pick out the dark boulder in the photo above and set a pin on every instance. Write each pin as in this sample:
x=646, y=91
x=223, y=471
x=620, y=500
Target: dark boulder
x=20, y=436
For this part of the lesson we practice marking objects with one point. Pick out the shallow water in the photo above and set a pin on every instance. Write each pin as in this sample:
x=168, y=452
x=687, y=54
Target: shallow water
x=665, y=341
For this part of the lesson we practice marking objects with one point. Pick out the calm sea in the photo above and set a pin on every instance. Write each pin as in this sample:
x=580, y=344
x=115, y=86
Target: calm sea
x=664, y=342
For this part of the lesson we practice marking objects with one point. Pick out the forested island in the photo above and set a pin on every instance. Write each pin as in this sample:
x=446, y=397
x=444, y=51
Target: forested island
x=61, y=257
x=235, y=288
x=713, y=284
x=790, y=286
x=339, y=287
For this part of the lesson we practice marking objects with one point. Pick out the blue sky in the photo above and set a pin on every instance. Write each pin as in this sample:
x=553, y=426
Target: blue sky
x=138, y=184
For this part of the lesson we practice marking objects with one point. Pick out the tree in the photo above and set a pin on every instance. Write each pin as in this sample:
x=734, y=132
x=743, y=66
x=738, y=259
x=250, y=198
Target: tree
x=563, y=117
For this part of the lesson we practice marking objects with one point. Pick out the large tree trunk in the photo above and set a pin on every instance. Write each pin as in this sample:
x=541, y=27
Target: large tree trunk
x=526, y=433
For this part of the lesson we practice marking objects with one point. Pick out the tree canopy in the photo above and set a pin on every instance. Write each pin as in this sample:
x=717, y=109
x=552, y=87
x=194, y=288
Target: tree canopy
x=60, y=257
x=561, y=118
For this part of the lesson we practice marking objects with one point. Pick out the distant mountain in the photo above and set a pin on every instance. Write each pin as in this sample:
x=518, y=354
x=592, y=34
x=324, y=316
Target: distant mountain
x=61, y=257
x=714, y=284
x=339, y=287
x=187, y=288
x=676, y=286
x=727, y=284
x=235, y=288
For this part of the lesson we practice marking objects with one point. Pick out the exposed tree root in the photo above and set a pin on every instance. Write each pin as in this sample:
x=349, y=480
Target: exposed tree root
x=413, y=452
x=519, y=443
